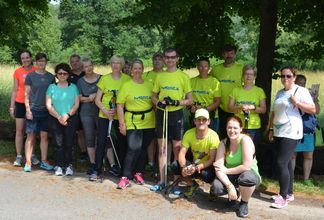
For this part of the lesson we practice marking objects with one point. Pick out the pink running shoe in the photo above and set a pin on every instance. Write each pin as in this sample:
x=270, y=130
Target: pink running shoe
x=138, y=178
x=123, y=183
x=279, y=203
x=289, y=198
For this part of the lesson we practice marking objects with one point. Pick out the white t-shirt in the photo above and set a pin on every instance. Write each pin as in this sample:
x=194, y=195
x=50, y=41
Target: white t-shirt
x=287, y=120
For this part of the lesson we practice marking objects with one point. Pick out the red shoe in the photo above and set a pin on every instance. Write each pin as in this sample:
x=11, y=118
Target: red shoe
x=138, y=178
x=123, y=183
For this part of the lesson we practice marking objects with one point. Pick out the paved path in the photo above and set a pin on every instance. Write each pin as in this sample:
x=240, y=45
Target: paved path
x=41, y=195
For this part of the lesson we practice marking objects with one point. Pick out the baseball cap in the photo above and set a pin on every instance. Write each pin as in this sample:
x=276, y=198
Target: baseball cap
x=157, y=54
x=202, y=113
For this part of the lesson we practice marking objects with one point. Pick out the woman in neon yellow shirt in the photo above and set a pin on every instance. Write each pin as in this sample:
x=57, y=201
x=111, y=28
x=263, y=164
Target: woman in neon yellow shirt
x=136, y=121
x=247, y=102
x=236, y=167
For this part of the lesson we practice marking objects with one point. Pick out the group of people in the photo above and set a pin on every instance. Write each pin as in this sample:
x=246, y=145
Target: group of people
x=128, y=115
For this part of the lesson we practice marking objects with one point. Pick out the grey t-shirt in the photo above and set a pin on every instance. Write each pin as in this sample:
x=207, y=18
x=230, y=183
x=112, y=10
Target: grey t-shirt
x=86, y=89
x=38, y=85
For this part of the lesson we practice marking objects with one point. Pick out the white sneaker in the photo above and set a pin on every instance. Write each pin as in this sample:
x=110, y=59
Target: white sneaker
x=69, y=171
x=58, y=171
x=34, y=160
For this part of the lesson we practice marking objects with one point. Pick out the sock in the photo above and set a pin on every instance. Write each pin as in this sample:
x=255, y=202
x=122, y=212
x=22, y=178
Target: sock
x=19, y=155
x=151, y=164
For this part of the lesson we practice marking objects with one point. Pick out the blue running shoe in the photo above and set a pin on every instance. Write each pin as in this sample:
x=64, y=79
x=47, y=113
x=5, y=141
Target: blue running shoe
x=27, y=168
x=45, y=165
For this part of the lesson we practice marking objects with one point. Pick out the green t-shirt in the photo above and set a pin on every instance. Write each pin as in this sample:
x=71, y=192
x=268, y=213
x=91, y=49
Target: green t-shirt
x=150, y=76
x=174, y=84
x=249, y=97
x=63, y=98
x=108, y=85
x=205, y=90
x=137, y=97
x=236, y=159
x=200, y=147
x=229, y=78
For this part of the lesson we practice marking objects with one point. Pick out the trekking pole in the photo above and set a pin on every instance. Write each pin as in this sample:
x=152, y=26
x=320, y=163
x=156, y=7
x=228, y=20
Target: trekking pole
x=112, y=105
x=166, y=145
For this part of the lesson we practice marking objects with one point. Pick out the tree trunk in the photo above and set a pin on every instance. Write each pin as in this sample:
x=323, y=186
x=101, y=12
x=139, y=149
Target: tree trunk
x=266, y=48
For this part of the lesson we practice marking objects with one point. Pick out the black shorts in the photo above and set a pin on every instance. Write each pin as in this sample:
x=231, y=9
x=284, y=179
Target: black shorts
x=20, y=110
x=175, y=124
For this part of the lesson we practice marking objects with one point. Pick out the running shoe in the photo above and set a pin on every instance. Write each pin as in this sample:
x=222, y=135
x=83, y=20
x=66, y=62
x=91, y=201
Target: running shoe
x=115, y=170
x=279, y=203
x=58, y=171
x=123, y=183
x=93, y=176
x=27, y=168
x=18, y=161
x=34, y=160
x=176, y=191
x=243, y=210
x=158, y=187
x=289, y=197
x=138, y=178
x=45, y=165
x=69, y=170
x=191, y=190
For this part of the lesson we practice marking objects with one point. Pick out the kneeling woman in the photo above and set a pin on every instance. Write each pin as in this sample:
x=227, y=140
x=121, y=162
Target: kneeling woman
x=136, y=121
x=236, y=166
x=62, y=102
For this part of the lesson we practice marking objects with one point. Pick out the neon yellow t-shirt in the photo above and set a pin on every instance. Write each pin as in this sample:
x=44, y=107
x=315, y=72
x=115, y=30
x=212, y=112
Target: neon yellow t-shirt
x=174, y=84
x=200, y=148
x=150, y=76
x=107, y=85
x=137, y=97
x=229, y=78
x=249, y=97
x=205, y=90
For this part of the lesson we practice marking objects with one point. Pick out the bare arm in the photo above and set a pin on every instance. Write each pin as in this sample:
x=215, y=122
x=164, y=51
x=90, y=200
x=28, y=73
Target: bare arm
x=214, y=105
x=13, y=98
x=209, y=162
x=90, y=98
x=29, y=114
x=262, y=108
x=233, y=107
x=187, y=101
x=50, y=107
x=121, y=118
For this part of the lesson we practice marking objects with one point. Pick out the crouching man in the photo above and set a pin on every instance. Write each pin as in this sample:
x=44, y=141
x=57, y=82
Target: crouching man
x=203, y=143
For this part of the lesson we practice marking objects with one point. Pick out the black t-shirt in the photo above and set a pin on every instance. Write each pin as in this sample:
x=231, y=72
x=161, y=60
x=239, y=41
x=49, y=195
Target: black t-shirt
x=73, y=78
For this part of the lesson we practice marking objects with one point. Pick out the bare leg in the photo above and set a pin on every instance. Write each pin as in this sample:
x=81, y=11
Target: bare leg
x=29, y=147
x=110, y=156
x=81, y=141
x=19, y=139
x=307, y=164
x=43, y=144
x=91, y=153
x=176, y=148
x=151, y=149
x=246, y=192
x=162, y=162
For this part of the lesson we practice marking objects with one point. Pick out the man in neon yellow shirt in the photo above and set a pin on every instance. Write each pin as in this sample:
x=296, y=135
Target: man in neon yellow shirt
x=203, y=143
x=174, y=85
x=206, y=92
x=229, y=74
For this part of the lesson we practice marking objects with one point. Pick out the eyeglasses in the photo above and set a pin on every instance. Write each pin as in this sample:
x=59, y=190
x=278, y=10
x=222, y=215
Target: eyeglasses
x=282, y=76
x=170, y=57
x=62, y=73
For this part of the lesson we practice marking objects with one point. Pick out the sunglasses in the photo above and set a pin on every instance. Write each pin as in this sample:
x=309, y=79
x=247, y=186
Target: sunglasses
x=62, y=73
x=282, y=76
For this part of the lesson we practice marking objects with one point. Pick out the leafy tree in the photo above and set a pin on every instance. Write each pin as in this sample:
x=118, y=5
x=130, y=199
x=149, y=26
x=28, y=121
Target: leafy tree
x=16, y=16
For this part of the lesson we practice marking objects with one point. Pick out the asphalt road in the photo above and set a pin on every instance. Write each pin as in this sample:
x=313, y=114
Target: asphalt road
x=41, y=195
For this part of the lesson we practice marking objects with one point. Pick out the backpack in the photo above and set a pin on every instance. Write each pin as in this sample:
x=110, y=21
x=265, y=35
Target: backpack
x=309, y=121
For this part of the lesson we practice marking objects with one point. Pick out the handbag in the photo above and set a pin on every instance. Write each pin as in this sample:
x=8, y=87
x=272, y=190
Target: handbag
x=319, y=142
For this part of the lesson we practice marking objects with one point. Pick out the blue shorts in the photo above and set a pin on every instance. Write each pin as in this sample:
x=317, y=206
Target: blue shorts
x=38, y=123
x=306, y=145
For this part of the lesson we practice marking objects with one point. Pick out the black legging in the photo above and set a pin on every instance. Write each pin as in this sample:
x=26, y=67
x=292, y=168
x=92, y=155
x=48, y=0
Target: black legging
x=285, y=150
x=137, y=140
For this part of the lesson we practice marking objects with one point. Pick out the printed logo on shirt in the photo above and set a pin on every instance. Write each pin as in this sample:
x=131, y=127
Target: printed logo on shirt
x=200, y=92
x=227, y=81
x=170, y=88
x=246, y=103
x=142, y=97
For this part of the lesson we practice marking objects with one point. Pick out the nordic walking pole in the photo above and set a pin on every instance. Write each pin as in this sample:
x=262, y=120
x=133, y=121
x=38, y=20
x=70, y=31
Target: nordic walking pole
x=166, y=146
x=112, y=105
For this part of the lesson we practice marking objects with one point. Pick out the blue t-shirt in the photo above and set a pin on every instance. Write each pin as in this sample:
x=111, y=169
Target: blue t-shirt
x=62, y=97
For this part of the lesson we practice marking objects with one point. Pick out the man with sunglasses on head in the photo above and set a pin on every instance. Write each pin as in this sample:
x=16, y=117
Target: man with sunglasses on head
x=171, y=92
x=229, y=74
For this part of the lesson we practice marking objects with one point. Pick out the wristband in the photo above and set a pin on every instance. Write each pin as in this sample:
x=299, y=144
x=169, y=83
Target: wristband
x=270, y=129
